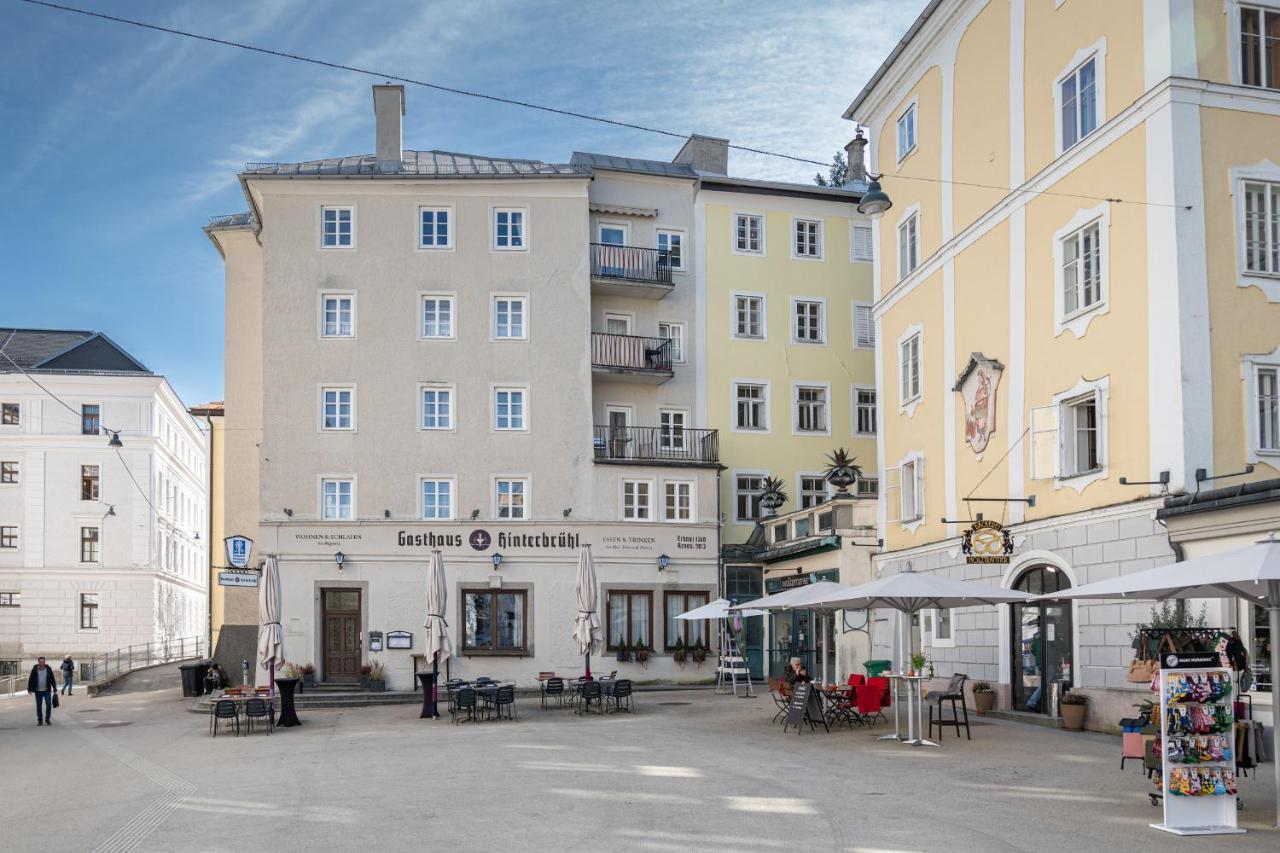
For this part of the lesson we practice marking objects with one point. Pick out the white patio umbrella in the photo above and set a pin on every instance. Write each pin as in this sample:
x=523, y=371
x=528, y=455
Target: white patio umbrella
x=586, y=624
x=718, y=609
x=1251, y=573
x=439, y=646
x=270, y=635
x=799, y=598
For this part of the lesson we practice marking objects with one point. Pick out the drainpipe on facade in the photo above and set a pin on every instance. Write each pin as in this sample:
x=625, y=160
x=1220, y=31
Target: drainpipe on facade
x=208, y=598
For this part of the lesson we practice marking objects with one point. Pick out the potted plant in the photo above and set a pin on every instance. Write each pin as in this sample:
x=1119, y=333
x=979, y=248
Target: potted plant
x=984, y=698
x=1073, y=708
x=678, y=652
x=842, y=472
x=377, y=677
x=642, y=651
x=624, y=653
x=918, y=660
x=308, y=675
x=365, y=671
x=772, y=496
x=699, y=652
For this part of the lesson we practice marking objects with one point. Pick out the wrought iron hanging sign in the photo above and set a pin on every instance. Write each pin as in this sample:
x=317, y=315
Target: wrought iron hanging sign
x=987, y=542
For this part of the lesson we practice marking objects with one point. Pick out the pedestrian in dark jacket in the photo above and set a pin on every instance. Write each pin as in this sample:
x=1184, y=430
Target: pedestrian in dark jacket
x=41, y=683
x=68, y=667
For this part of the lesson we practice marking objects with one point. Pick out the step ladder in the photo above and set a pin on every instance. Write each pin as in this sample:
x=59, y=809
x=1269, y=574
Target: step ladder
x=733, y=669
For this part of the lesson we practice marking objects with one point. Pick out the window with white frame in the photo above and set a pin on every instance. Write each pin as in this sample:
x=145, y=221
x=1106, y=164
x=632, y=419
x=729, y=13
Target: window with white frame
x=864, y=326
x=337, y=227
x=337, y=500
x=89, y=482
x=811, y=408
x=8, y=536
x=936, y=627
x=868, y=487
x=748, y=233
x=861, y=242
x=1078, y=100
x=908, y=245
x=437, y=316
x=751, y=402
x=810, y=321
x=1266, y=406
x=677, y=500
x=435, y=228
x=808, y=238
x=1082, y=269
x=10, y=414
x=1068, y=437
x=339, y=316
x=508, y=228
x=864, y=410
x=671, y=425
x=909, y=368
x=637, y=500
x=747, y=490
x=1262, y=224
x=748, y=316
x=88, y=611
x=1081, y=449
x=509, y=408
x=9, y=473
x=90, y=545
x=1260, y=47
x=813, y=490
x=437, y=499
x=510, y=498
x=907, y=132
x=671, y=248
x=338, y=408
x=675, y=332
x=437, y=407
x=509, y=313
x=911, y=488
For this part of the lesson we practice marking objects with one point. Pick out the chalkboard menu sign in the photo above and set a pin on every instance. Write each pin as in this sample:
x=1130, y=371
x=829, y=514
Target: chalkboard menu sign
x=805, y=707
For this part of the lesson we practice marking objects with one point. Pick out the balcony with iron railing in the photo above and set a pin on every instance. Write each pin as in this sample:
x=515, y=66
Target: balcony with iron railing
x=631, y=358
x=630, y=270
x=669, y=445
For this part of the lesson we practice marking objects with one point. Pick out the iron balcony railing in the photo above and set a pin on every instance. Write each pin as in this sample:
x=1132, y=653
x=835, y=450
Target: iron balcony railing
x=138, y=656
x=630, y=263
x=656, y=444
x=630, y=352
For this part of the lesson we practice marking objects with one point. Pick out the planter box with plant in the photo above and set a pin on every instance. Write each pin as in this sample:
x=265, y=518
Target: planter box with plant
x=624, y=653
x=308, y=675
x=642, y=652
x=377, y=677
x=984, y=698
x=679, y=652
x=365, y=671
x=1073, y=708
x=699, y=652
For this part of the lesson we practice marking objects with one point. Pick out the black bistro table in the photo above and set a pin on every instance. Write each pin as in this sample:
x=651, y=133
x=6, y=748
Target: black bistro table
x=429, y=709
x=288, y=714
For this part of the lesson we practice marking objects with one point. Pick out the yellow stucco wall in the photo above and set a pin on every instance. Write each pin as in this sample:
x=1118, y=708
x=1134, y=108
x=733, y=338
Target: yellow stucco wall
x=217, y=522
x=923, y=163
x=1212, y=49
x=981, y=89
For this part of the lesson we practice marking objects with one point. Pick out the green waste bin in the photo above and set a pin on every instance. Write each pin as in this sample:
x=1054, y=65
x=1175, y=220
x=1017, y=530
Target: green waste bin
x=875, y=668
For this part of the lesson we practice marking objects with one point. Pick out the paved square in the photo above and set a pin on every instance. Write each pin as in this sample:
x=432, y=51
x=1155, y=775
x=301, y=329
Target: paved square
x=690, y=770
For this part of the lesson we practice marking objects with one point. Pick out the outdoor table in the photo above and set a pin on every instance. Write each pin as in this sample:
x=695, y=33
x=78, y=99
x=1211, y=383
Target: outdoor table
x=915, y=710
x=429, y=709
x=832, y=695
x=288, y=716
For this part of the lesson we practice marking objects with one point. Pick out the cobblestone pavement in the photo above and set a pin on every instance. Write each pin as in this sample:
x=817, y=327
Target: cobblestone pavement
x=690, y=770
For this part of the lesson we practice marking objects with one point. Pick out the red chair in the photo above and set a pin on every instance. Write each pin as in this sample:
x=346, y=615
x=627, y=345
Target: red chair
x=856, y=680
x=886, y=697
x=869, y=705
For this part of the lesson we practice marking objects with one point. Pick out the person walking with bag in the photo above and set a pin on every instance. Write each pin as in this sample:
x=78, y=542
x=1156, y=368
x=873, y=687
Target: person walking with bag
x=43, y=683
x=68, y=667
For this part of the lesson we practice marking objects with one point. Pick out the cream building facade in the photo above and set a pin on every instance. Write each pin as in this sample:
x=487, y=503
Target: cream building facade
x=1081, y=192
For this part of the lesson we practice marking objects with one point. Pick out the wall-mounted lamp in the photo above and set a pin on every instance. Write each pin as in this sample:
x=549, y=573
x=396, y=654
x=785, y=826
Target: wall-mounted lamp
x=386, y=513
x=339, y=558
x=115, y=439
x=663, y=561
x=567, y=512
x=288, y=512
x=497, y=560
x=475, y=513
x=111, y=510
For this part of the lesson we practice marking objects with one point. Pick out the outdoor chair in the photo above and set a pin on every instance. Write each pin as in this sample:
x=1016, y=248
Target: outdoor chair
x=953, y=692
x=224, y=709
x=869, y=703
x=553, y=690
x=505, y=697
x=451, y=687
x=779, y=699
x=886, y=693
x=589, y=694
x=256, y=709
x=620, y=696
x=855, y=679
x=464, y=705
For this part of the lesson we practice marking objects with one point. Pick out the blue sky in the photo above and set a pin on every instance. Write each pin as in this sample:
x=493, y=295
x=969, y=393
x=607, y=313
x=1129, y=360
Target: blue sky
x=119, y=143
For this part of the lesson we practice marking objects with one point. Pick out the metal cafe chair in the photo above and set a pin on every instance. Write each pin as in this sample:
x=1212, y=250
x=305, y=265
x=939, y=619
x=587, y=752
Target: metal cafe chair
x=779, y=699
x=620, y=697
x=223, y=709
x=464, y=705
x=590, y=694
x=452, y=686
x=505, y=697
x=256, y=709
x=953, y=692
x=553, y=690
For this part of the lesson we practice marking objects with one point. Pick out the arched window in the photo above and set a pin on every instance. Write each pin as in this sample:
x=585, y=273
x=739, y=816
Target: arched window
x=1041, y=580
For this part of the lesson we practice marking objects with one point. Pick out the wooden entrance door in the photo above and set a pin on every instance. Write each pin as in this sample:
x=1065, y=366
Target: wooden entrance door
x=341, y=618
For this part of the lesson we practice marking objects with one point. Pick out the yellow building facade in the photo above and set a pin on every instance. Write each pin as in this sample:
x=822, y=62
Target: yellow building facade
x=1077, y=303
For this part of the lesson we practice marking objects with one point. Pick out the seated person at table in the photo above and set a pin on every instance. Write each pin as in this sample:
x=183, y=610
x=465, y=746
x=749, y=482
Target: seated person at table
x=214, y=679
x=795, y=673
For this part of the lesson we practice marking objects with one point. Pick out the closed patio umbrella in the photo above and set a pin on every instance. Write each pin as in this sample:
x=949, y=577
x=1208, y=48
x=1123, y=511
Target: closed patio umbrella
x=586, y=624
x=270, y=635
x=439, y=646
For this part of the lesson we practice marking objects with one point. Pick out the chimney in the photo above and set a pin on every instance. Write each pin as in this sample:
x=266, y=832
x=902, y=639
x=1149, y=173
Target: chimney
x=706, y=154
x=388, y=114
x=855, y=156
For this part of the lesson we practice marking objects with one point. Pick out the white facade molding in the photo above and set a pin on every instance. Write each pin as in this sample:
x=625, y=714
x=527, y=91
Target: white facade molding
x=913, y=210
x=917, y=487
x=1249, y=400
x=1267, y=171
x=908, y=406
x=1078, y=321
x=1098, y=52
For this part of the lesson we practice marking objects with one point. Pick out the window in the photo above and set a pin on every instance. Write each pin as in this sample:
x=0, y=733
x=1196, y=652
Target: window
x=691, y=632
x=675, y=332
x=437, y=316
x=908, y=245
x=637, y=500
x=752, y=406
x=864, y=326
x=617, y=324
x=678, y=500
x=861, y=243
x=508, y=229
x=748, y=234
x=89, y=482
x=437, y=408
x=864, y=410
x=868, y=487
x=337, y=231
x=9, y=414
x=339, y=315
x=508, y=409
x=88, y=611
x=811, y=408
x=509, y=317
x=1267, y=399
x=813, y=490
x=1262, y=224
x=671, y=249
x=808, y=242
x=1068, y=438
x=907, y=132
x=90, y=419
x=494, y=620
x=671, y=424
x=1260, y=47
x=8, y=537
x=1081, y=270
x=748, y=314
x=909, y=368
x=8, y=473
x=89, y=545
x=809, y=321
x=630, y=615
x=747, y=491
x=780, y=533
x=437, y=499
x=911, y=491
x=435, y=229
x=1078, y=98
x=337, y=500
x=803, y=526
x=510, y=498
x=1080, y=450
x=936, y=628
x=10, y=599
x=338, y=408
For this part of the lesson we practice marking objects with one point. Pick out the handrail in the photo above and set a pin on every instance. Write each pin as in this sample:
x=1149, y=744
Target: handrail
x=655, y=444
x=630, y=352
x=630, y=263
x=137, y=656
x=9, y=684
